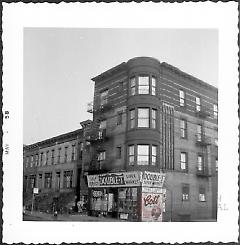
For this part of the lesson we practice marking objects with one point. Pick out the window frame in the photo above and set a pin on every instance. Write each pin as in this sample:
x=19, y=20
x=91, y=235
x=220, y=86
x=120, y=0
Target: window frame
x=119, y=118
x=154, y=163
x=185, y=194
x=153, y=119
x=141, y=87
x=133, y=85
x=153, y=87
x=200, y=163
x=182, y=162
x=183, y=128
x=198, y=103
x=139, y=155
x=132, y=116
x=143, y=119
x=131, y=155
x=104, y=97
x=182, y=98
x=202, y=194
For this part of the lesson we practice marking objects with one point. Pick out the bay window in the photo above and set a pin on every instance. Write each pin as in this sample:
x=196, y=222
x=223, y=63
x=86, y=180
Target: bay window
x=143, y=154
x=143, y=85
x=143, y=118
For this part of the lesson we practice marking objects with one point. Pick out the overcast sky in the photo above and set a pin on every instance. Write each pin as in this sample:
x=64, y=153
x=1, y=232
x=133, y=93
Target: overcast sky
x=60, y=62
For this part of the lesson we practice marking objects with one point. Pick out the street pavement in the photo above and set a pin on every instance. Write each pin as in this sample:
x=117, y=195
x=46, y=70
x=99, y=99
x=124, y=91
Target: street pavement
x=39, y=216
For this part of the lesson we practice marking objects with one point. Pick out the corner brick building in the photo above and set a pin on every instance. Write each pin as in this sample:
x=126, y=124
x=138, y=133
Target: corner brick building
x=154, y=132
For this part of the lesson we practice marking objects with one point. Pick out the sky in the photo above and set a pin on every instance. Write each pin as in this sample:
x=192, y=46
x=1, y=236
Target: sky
x=60, y=62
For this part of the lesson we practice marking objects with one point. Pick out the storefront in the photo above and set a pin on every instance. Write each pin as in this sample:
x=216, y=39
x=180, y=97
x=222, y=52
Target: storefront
x=133, y=196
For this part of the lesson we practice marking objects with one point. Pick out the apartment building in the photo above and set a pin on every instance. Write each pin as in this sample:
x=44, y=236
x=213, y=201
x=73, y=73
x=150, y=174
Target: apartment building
x=152, y=119
x=149, y=154
x=54, y=166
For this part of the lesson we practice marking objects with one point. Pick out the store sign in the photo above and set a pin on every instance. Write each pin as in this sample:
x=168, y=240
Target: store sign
x=152, y=179
x=152, y=204
x=114, y=179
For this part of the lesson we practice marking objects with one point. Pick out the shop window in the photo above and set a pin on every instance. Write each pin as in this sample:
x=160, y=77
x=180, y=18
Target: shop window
x=119, y=118
x=143, y=117
x=183, y=128
x=202, y=194
x=154, y=155
x=183, y=161
x=154, y=113
x=143, y=85
x=133, y=86
x=68, y=179
x=142, y=154
x=73, y=152
x=215, y=111
x=198, y=104
x=132, y=118
x=58, y=179
x=104, y=97
x=185, y=192
x=182, y=98
x=127, y=203
x=48, y=180
x=131, y=155
x=200, y=163
x=32, y=181
x=154, y=85
x=119, y=152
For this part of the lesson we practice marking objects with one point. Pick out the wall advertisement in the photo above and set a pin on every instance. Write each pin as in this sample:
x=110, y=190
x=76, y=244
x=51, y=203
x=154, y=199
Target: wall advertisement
x=152, y=204
x=152, y=179
x=114, y=179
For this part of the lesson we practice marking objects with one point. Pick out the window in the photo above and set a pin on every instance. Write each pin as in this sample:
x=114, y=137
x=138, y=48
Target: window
x=198, y=104
x=48, y=180
x=200, y=163
x=47, y=157
x=66, y=154
x=153, y=85
x=31, y=162
x=143, y=85
x=154, y=155
x=104, y=97
x=39, y=181
x=143, y=154
x=215, y=111
x=27, y=162
x=80, y=150
x=58, y=179
x=41, y=159
x=52, y=156
x=59, y=155
x=131, y=155
x=216, y=164
x=183, y=128
x=182, y=98
x=154, y=113
x=119, y=118
x=119, y=152
x=183, y=161
x=32, y=181
x=202, y=194
x=133, y=86
x=73, y=152
x=185, y=192
x=132, y=118
x=199, y=132
x=121, y=86
x=36, y=160
x=68, y=179
x=101, y=158
x=143, y=117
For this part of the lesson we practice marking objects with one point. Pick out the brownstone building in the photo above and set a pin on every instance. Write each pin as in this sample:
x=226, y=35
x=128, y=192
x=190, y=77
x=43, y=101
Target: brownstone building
x=150, y=152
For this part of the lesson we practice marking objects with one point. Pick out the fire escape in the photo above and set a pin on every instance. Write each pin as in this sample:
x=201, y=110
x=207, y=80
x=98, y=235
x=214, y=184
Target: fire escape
x=202, y=141
x=96, y=137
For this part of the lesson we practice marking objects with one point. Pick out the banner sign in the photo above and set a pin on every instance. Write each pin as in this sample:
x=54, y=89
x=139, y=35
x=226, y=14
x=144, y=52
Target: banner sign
x=152, y=204
x=114, y=179
x=152, y=179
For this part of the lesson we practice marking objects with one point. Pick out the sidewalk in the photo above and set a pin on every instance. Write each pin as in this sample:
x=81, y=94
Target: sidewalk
x=67, y=217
